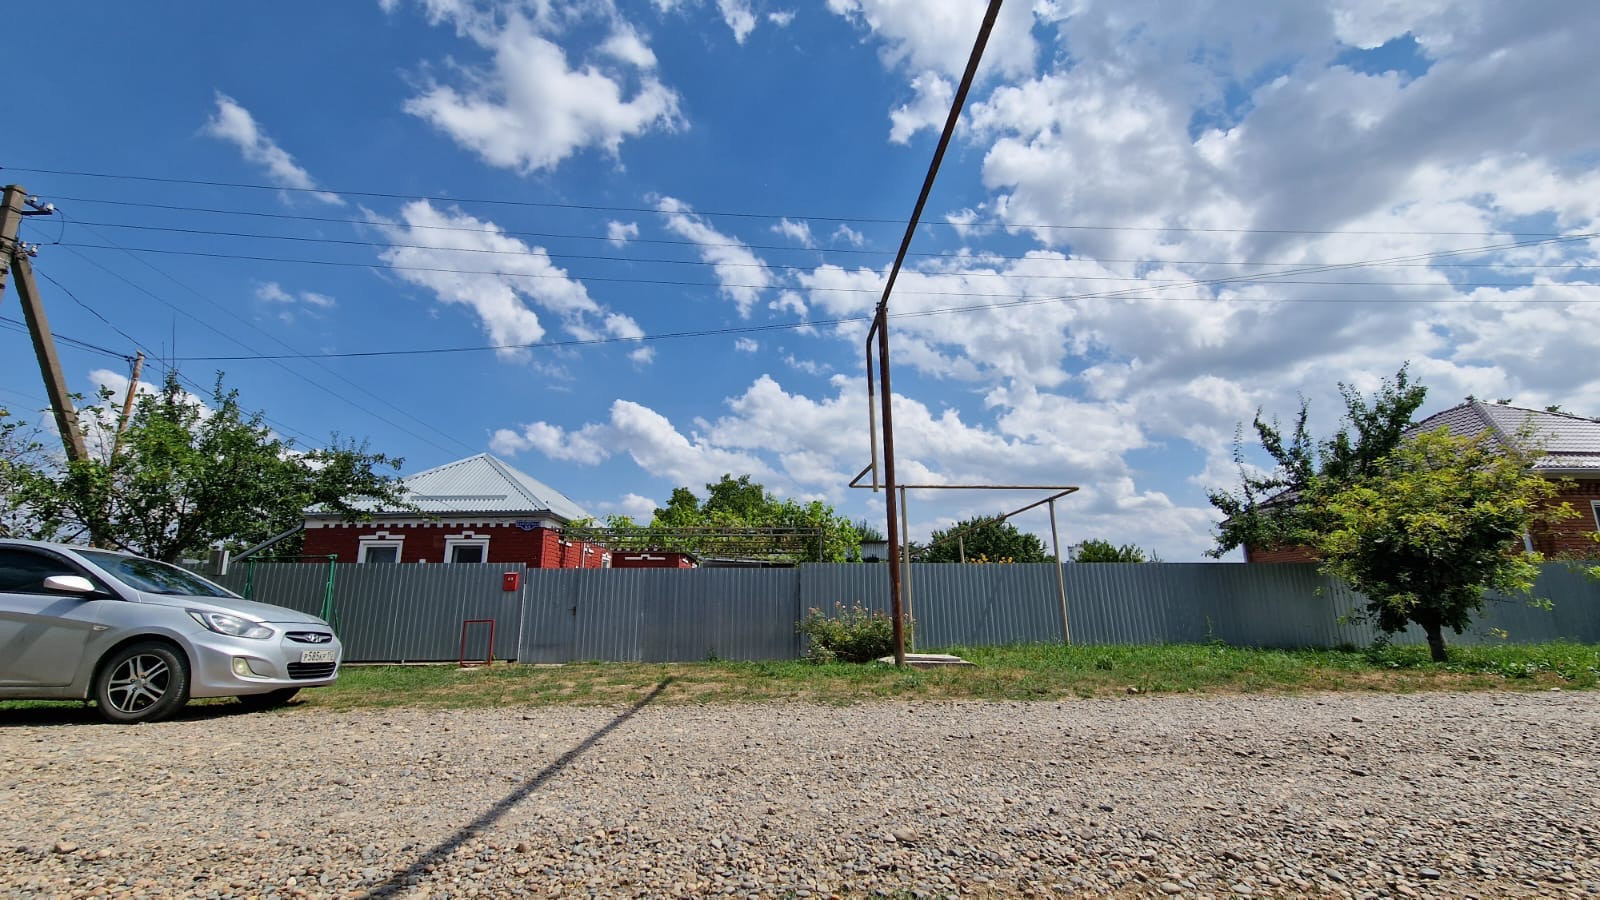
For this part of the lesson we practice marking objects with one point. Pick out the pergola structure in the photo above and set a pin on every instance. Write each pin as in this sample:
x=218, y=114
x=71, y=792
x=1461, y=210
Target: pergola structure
x=774, y=544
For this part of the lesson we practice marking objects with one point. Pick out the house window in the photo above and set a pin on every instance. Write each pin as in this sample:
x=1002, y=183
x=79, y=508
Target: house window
x=380, y=548
x=466, y=548
x=1594, y=507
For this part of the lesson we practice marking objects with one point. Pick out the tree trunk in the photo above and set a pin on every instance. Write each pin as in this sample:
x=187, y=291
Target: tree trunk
x=1435, y=631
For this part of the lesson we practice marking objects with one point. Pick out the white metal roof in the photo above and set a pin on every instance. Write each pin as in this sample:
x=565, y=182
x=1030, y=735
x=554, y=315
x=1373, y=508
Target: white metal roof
x=483, y=484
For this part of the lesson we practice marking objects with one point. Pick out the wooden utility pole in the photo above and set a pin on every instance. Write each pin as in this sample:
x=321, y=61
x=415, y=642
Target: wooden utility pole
x=127, y=405
x=10, y=221
x=44, y=346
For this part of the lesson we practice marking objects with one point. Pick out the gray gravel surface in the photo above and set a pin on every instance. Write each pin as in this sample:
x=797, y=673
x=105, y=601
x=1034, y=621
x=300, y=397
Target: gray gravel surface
x=1356, y=795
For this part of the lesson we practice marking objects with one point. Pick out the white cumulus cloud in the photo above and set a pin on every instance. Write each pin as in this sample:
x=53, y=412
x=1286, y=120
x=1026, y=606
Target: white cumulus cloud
x=234, y=124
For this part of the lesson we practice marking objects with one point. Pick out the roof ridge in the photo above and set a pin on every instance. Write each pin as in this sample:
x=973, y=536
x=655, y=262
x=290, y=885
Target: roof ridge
x=1479, y=407
x=441, y=467
x=509, y=473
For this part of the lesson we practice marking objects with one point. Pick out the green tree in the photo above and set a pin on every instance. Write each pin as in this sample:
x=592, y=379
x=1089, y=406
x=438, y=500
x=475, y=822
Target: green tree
x=985, y=539
x=1427, y=529
x=1095, y=550
x=870, y=533
x=1264, y=512
x=733, y=503
x=189, y=476
x=22, y=460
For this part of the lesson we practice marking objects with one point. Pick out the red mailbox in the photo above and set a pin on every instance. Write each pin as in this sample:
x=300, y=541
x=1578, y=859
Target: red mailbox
x=509, y=581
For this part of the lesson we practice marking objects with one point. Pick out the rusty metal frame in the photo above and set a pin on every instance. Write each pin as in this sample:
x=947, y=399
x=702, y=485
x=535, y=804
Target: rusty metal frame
x=904, y=577
x=463, y=661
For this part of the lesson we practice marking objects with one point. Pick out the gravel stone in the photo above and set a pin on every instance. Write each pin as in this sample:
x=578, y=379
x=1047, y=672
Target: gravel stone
x=1488, y=795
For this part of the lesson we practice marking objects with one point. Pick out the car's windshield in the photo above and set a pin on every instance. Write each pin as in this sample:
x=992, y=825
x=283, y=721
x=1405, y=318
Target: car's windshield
x=154, y=577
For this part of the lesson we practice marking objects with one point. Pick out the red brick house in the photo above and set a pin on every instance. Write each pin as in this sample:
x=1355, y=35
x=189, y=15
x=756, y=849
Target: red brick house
x=1572, y=454
x=474, y=510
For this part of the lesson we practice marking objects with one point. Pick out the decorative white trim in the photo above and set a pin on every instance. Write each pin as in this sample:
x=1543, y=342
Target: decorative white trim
x=380, y=539
x=460, y=522
x=465, y=539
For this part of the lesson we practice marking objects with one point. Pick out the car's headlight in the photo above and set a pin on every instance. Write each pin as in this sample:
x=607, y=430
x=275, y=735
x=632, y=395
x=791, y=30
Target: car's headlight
x=232, y=626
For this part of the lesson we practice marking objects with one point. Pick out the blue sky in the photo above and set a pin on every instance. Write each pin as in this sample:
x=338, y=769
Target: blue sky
x=693, y=205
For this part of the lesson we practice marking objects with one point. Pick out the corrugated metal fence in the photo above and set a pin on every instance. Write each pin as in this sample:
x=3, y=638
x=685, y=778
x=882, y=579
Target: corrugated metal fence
x=415, y=613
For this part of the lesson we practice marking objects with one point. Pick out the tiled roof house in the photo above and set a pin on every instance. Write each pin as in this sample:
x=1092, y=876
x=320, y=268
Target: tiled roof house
x=1571, y=453
x=474, y=510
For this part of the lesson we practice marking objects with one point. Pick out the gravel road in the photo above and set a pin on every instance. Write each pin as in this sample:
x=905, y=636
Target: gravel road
x=1358, y=795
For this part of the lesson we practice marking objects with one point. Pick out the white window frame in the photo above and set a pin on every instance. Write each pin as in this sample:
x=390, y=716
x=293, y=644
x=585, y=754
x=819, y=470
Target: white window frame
x=1594, y=507
x=381, y=539
x=465, y=539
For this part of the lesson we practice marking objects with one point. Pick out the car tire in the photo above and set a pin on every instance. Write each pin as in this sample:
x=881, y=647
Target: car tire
x=144, y=682
x=269, y=700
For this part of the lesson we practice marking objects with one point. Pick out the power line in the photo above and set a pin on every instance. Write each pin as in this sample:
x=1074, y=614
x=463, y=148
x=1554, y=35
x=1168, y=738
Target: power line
x=18, y=325
x=846, y=320
x=929, y=254
x=1259, y=278
x=871, y=220
x=199, y=389
x=322, y=387
x=563, y=257
x=96, y=313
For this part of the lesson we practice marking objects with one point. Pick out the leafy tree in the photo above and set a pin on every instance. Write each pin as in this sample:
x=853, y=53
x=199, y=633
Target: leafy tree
x=870, y=533
x=1095, y=550
x=738, y=498
x=1424, y=531
x=22, y=458
x=1264, y=512
x=984, y=539
x=187, y=476
x=742, y=503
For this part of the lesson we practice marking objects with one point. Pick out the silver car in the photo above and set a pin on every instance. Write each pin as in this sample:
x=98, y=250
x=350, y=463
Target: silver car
x=140, y=637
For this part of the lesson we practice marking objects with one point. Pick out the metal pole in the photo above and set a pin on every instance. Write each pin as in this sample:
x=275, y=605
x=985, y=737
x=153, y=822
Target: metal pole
x=327, y=599
x=872, y=411
x=890, y=497
x=881, y=321
x=905, y=532
x=1061, y=576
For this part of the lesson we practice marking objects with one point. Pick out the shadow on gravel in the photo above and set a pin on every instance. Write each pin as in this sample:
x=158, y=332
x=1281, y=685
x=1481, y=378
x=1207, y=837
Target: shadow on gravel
x=438, y=852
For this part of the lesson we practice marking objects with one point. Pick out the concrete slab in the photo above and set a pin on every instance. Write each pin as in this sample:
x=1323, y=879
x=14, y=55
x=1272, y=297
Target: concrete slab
x=928, y=660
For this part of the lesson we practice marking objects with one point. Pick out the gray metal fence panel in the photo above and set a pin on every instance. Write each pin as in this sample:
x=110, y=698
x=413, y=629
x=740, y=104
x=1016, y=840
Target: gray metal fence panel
x=298, y=587
x=659, y=615
x=653, y=615
x=746, y=614
x=407, y=613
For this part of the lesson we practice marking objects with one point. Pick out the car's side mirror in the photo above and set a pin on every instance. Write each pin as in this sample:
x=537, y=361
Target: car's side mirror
x=71, y=584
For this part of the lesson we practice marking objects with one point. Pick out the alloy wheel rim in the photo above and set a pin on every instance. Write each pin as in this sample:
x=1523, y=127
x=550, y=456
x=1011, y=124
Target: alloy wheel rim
x=139, y=682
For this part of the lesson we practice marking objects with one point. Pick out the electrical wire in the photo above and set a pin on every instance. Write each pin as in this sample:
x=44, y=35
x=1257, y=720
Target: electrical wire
x=563, y=257
x=20, y=326
x=564, y=276
x=596, y=207
x=314, y=383
x=959, y=255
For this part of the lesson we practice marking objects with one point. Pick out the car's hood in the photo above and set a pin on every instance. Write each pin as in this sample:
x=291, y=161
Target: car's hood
x=261, y=612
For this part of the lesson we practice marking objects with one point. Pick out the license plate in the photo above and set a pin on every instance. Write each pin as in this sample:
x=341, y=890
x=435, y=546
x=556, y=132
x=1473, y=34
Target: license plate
x=317, y=656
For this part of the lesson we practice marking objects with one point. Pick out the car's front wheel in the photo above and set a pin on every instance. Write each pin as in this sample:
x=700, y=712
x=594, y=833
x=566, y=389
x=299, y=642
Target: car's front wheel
x=143, y=682
x=269, y=700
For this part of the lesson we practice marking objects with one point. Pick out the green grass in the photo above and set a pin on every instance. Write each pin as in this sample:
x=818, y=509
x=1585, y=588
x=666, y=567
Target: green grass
x=1020, y=672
